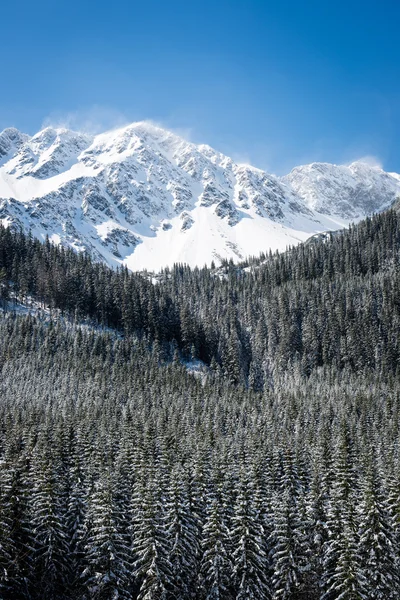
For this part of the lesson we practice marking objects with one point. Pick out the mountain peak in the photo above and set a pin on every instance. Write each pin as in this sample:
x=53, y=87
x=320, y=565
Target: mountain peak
x=11, y=139
x=11, y=132
x=143, y=196
x=349, y=191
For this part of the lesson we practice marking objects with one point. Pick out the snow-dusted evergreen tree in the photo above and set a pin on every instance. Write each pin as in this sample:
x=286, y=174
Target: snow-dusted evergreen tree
x=75, y=489
x=216, y=568
x=48, y=514
x=182, y=532
x=250, y=563
x=317, y=501
x=289, y=550
x=8, y=567
x=151, y=546
x=346, y=582
x=17, y=566
x=393, y=505
x=342, y=576
x=380, y=579
x=107, y=574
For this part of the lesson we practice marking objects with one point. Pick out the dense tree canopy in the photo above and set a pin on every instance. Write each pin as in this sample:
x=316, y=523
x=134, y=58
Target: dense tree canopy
x=275, y=474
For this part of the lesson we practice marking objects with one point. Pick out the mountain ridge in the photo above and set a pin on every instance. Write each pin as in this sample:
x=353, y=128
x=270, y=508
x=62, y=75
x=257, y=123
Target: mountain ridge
x=145, y=197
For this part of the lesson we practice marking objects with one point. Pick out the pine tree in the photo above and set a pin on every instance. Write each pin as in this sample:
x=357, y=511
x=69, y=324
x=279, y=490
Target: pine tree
x=50, y=558
x=342, y=577
x=216, y=565
x=377, y=545
x=182, y=532
x=107, y=557
x=8, y=568
x=250, y=563
x=152, y=567
x=289, y=552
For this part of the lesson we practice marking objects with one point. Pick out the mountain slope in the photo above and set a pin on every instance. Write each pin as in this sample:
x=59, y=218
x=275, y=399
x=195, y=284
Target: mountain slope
x=145, y=197
x=352, y=191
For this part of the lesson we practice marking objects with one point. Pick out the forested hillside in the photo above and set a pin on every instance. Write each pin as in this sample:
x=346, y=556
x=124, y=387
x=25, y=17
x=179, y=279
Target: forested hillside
x=332, y=302
x=276, y=476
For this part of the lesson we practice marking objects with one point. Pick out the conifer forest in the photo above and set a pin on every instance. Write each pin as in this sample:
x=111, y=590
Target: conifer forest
x=222, y=433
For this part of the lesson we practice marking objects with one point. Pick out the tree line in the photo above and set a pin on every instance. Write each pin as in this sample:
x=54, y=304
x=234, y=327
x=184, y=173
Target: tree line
x=300, y=310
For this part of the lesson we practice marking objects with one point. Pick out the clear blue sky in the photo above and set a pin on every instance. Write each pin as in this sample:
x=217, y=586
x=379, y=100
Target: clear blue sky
x=276, y=83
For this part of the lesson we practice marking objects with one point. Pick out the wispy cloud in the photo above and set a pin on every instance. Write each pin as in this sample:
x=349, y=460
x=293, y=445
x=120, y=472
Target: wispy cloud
x=275, y=157
x=95, y=119
x=98, y=119
x=372, y=161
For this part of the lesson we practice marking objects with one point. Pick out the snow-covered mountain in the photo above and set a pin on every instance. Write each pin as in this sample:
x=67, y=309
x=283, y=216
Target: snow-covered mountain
x=145, y=197
x=350, y=192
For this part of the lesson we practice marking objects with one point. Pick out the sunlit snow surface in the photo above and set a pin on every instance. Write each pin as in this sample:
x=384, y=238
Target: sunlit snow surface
x=145, y=197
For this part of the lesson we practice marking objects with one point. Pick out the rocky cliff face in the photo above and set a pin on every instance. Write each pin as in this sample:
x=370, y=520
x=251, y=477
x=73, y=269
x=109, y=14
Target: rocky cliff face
x=144, y=197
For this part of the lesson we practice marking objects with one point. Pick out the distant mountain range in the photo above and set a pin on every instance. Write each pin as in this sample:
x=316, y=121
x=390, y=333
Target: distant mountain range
x=145, y=197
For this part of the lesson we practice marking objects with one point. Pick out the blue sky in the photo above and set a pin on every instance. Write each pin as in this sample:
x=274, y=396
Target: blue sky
x=272, y=83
